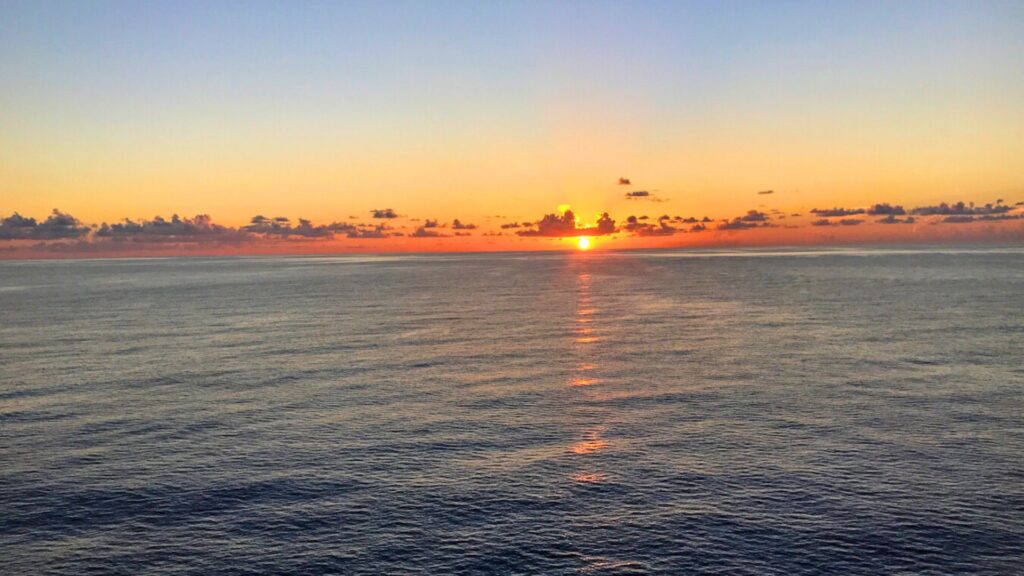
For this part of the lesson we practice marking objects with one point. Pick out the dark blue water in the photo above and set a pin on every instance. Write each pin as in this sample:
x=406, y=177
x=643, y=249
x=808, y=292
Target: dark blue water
x=854, y=412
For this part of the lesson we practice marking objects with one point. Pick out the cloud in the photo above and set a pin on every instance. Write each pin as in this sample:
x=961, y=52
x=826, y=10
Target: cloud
x=456, y=225
x=968, y=218
x=281, y=226
x=387, y=213
x=511, y=225
x=424, y=232
x=736, y=224
x=555, y=226
x=196, y=229
x=624, y=182
x=891, y=219
x=57, y=226
x=842, y=222
x=643, y=195
x=766, y=192
x=372, y=232
x=662, y=228
x=885, y=209
x=836, y=212
x=430, y=223
x=752, y=219
x=754, y=216
x=990, y=217
x=962, y=209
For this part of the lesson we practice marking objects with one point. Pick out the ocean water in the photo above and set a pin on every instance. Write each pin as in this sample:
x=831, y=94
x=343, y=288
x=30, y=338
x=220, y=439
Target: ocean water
x=788, y=412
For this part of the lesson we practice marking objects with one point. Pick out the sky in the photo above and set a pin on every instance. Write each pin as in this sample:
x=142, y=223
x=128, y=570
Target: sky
x=501, y=112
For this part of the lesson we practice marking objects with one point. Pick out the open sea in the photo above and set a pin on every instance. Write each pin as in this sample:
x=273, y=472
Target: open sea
x=848, y=411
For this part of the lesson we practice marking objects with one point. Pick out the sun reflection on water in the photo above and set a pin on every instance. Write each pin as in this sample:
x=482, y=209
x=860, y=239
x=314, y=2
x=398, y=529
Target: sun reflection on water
x=583, y=379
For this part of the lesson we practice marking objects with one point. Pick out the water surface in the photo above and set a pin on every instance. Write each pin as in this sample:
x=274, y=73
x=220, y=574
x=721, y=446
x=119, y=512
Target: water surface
x=774, y=412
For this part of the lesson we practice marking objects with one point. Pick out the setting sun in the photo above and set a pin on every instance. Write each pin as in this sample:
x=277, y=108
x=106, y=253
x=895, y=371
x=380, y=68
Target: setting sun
x=583, y=243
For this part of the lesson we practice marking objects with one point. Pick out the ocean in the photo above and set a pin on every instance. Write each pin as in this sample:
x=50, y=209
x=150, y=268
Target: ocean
x=839, y=411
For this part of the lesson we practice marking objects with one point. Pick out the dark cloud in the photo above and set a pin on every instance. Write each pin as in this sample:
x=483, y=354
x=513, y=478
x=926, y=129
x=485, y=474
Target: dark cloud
x=754, y=216
x=176, y=229
x=662, y=228
x=424, y=232
x=885, y=209
x=624, y=182
x=698, y=228
x=57, y=226
x=456, y=225
x=990, y=217
x=387, y=213
x=842, y=222
x=961, y=209
x=555, y=226
x=282, y=227
x=372, y=232
x=766, y=192
x=752, y=219
x=430, y=223
x=891, y=219
x=511, y=225
x=836, y=212
x=643, y=195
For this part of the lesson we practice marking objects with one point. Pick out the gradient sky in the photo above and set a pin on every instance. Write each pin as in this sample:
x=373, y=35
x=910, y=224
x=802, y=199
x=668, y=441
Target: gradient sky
x=472, y=109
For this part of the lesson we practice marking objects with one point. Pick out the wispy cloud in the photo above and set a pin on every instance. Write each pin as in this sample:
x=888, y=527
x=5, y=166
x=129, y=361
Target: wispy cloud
x=836, y=212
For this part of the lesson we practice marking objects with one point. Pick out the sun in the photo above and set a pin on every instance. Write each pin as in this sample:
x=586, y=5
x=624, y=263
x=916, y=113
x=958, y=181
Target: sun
x=583, y=243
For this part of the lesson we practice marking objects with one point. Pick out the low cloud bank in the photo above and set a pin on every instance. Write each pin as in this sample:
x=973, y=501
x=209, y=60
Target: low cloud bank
x=64, y=232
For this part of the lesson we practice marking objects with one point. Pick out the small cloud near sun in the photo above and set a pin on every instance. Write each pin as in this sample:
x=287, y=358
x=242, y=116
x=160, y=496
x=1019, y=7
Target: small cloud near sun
x=564, y=224
x=624, y=182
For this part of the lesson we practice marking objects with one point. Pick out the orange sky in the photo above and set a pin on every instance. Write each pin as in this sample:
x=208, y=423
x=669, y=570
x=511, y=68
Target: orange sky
x=503, y=112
